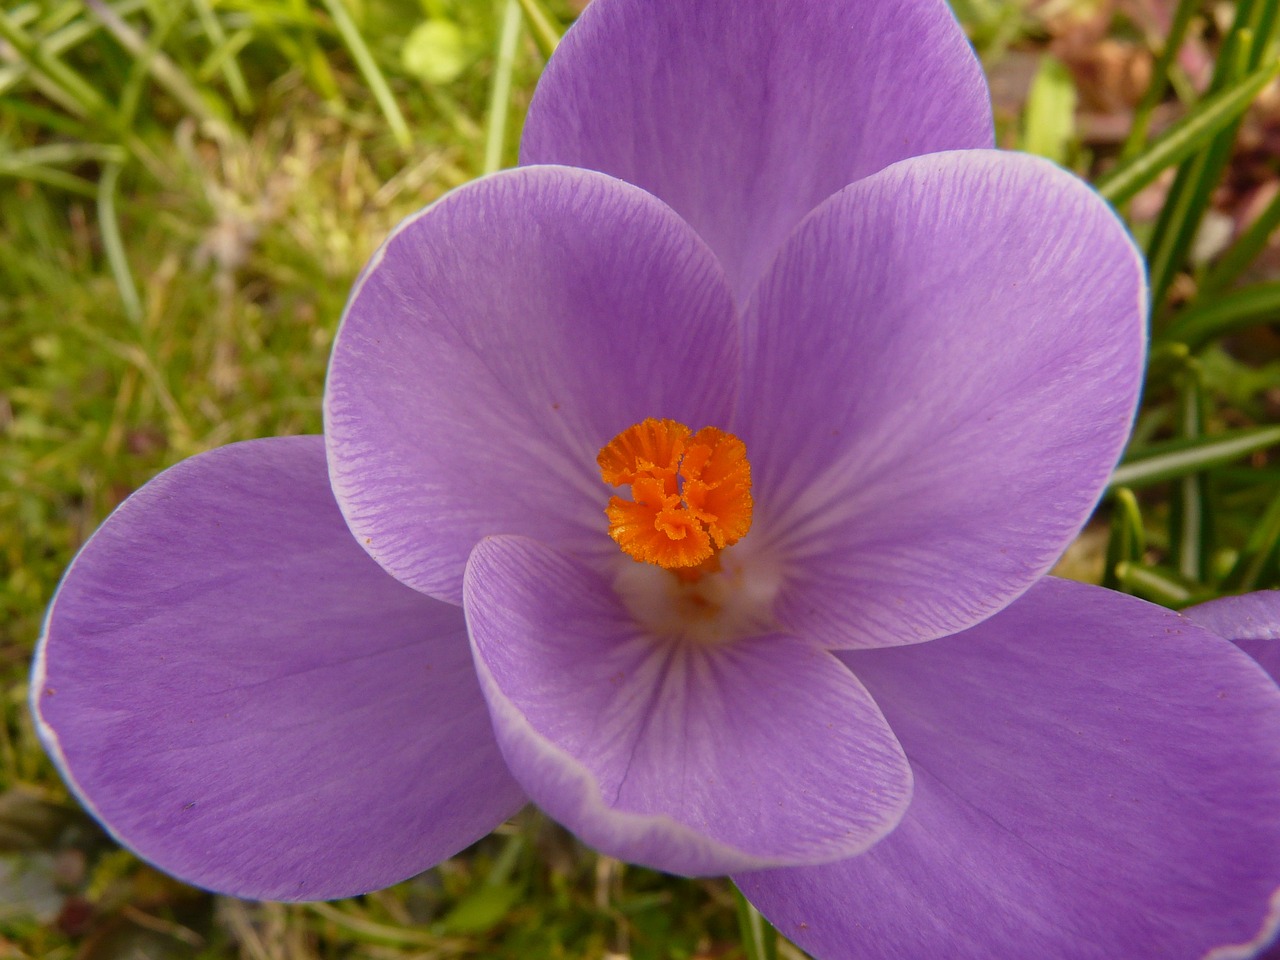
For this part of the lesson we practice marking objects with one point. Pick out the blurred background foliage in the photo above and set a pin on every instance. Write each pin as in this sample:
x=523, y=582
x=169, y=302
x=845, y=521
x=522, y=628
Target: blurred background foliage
x=187, y=190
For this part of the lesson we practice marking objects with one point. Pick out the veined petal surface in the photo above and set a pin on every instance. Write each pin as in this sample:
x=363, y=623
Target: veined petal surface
x=1250, y=621
x=1096, y=778
x=687, y=757
x=246, y=700
x=743, y=117
x=943, y=366
x=495, y=343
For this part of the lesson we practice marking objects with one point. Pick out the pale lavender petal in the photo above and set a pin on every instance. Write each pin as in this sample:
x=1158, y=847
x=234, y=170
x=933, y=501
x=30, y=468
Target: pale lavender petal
x=495, y=343
x=1095, y=778
x=943, y=366
x=1251, y=622
x=691, y=758
x=743, y=117
x=248, y=702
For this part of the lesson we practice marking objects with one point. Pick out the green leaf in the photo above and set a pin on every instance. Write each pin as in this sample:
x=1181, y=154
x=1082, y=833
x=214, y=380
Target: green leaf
x=1049, y=124
x=359, y=928
x=1259, y=553
x=500, y=89
x=481, y=910
x=1133, y=144
x=545, y=31
x=1204, y=322
x=1248, y=47
x=435, y=52
x=1128, y=540
x=759, y=939
x=1244, y=251
x=1158, y=584
x=1189, y=135
x=1190, y=515
x=368, y=67
x=109, y=227
x=1179, y=458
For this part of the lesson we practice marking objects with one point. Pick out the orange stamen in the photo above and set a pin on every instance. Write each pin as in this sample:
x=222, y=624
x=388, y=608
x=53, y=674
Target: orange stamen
x=690, y=492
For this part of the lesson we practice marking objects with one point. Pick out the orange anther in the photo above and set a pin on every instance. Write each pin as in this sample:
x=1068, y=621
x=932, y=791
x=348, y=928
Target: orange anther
x=690, y=492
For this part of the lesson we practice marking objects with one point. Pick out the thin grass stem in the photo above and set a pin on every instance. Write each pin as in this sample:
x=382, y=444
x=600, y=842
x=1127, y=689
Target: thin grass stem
x=1174, y=459
x=226, y=63
x=165, y=72
x=545, y=33
x=1244, y=251
x=109, y=226
x=1213, y=317
x=500, y=91
x=368, y=67
x=1159, y=78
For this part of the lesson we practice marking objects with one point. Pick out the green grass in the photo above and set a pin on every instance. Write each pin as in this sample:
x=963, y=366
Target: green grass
x=187, y=190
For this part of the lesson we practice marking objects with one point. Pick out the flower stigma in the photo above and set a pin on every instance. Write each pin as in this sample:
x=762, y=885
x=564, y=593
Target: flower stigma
x=690, y=494
x=690, y=500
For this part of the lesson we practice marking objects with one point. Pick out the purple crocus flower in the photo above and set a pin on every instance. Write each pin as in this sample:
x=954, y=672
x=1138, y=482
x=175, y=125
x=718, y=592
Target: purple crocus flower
x=1251, y=622
x=765, y=311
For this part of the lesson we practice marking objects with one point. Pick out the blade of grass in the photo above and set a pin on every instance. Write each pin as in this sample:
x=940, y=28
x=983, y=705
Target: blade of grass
x=1128, y=540
x=226, y=63
x=67, y=88
x=1156, y=584
x=292, y=26
x=53, y=177
x=368, y=67
x=223, y=54
x=1244, y=251
x=1049, y=118
x=147, y=54
x=40, y=164
x=1159, y=78
x=545, y=32
x=109, y=227
x=1245, y=49
x=500, y=91
x=1205, y=321
x=77, y=93
x=1261, y=549
x=1190, y=134
x=63, y=153
x=759, y=938
x=1174, y=459
x=143, y=65
x=45, y=117
x=63, y=38
x=310, y=52
x=1190, y=512
x=374, y=932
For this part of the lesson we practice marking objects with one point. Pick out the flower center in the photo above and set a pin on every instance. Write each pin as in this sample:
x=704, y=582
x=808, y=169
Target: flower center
x=690, y=494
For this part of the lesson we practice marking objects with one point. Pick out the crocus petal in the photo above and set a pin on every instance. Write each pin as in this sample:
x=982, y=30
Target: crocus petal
x=1095, y=778
x=495, y=343
x=249, y=702
x=1251, y=622
x=691, y=758
x=743, y=118
x=944, y=363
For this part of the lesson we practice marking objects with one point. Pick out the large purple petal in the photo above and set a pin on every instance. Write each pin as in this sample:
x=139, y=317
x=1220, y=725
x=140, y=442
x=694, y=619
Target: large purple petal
x=1251, y=622
x=496, y=342
x=943, y=367
x=690, y=757
x=743, y=117
x=249, y=702
x=1095, y=778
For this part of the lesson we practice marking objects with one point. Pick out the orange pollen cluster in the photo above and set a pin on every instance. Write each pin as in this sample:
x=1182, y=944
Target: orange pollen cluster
x=690, y=492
